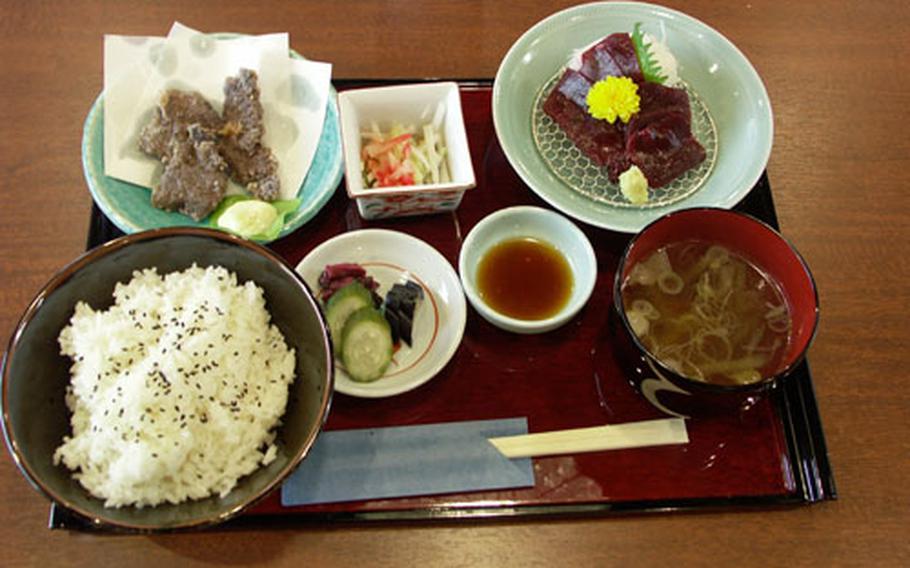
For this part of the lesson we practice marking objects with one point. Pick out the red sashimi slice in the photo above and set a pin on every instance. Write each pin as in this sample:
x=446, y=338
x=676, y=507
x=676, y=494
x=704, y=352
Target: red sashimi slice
x=664, y=131
x=613, y=56
x=663, y=166
x=574, y=87
x=659, y=138
x=602, y=142
x=659, y=99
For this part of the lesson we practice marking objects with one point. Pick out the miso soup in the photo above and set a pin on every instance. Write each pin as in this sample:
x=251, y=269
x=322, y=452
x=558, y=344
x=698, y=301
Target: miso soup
x=708, y=313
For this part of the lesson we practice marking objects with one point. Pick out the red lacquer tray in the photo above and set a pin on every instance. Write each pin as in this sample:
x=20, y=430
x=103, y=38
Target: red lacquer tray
x=774, y=453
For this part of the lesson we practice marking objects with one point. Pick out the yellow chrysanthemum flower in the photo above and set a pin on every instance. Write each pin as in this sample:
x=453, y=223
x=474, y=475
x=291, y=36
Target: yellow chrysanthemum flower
x=613, y=97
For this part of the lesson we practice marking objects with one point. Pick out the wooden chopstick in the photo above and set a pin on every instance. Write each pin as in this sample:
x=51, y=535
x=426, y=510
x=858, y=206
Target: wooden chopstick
x=659, y=432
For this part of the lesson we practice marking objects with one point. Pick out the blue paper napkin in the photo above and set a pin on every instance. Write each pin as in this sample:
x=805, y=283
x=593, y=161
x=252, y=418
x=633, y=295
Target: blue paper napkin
x=403, y=461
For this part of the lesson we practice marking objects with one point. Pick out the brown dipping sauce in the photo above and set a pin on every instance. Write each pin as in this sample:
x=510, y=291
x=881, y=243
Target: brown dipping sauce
x=525, y=278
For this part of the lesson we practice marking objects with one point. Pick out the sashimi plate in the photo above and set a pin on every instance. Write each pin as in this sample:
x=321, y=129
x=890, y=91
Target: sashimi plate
x=724, y=80
x=393, y=257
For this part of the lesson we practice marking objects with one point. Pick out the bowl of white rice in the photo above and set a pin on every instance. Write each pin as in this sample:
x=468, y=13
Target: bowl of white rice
x=166, y=380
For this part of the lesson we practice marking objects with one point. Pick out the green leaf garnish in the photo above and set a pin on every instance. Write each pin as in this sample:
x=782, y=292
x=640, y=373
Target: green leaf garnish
x=649, y=68
x=283, y=207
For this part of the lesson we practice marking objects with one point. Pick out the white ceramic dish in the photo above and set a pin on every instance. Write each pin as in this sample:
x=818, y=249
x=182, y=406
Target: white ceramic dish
x=541, y=224
x=416, y=104
x=710, y=64
x=439, y=321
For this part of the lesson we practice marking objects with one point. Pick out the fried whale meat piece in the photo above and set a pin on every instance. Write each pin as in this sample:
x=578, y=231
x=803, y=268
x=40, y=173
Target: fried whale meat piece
x=251, y=162
x=200, y=149
x=195, y=175
x=176, y=110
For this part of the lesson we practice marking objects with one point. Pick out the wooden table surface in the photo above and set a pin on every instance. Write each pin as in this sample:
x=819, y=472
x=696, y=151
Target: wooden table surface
x=839, y=82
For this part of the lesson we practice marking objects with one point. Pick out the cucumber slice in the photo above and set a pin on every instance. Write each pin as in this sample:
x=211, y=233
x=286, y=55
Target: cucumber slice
x=366, y=345
x=342, y=304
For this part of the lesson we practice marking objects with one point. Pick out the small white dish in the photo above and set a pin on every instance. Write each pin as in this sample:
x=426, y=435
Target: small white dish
x=416, y=105
x=537, y=223
x=439, y=320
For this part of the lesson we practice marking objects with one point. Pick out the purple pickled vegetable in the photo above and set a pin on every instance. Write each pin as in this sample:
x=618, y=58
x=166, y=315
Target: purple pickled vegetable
x=337, y=276
x=338, y=271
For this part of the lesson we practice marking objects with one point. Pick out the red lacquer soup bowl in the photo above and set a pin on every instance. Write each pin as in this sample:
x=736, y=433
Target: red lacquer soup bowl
x=761, y=246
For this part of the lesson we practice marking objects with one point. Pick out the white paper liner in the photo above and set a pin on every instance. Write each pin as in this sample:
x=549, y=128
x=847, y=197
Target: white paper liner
x=137, y=70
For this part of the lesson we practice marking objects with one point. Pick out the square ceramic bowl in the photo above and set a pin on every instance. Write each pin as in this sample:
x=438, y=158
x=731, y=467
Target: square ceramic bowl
x=409, y=105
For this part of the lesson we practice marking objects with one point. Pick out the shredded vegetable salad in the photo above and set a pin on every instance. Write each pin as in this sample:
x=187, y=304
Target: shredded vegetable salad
x=403, y=156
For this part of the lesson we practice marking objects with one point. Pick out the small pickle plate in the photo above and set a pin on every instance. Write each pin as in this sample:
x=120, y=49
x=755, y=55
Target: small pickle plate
x=392, y=257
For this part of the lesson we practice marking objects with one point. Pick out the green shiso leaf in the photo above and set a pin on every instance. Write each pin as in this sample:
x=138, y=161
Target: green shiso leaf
x=649, y=68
